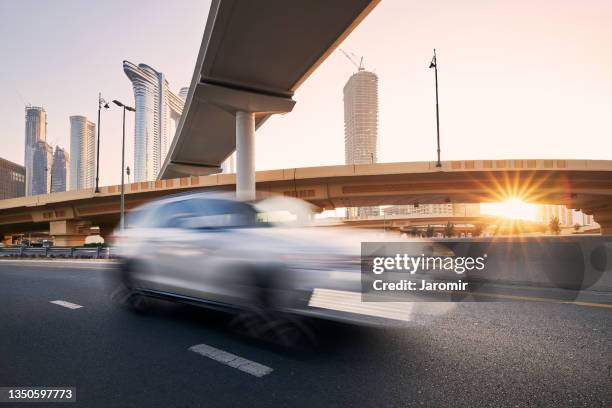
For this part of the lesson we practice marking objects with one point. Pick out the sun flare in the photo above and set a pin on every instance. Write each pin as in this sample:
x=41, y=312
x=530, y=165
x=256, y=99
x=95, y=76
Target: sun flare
x=513, y=208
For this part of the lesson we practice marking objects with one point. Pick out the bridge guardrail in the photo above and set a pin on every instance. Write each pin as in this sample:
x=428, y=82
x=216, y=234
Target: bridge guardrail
x=58, y=252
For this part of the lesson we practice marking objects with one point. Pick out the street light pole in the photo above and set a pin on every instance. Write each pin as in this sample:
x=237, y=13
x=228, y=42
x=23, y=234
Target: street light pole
x=434, y=64
x=122, y=175
x=122, y=219
x=101, y=103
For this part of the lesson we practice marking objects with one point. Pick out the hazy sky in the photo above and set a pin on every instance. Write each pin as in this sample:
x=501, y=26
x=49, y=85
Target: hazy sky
x=527, y=78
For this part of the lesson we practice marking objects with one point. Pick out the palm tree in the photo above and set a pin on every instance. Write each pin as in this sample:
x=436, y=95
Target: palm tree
x=449, y=229
x=554, y=225
x=429, y=232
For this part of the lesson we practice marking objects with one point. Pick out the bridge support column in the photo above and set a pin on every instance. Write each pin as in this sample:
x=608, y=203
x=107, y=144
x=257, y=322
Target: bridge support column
x=604, y=218
x=106, y=232
x=245, y=155
x=69, y=232
x=244, y=104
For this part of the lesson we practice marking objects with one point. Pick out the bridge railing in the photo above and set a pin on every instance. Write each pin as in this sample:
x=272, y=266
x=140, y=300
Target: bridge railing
x=58, y=252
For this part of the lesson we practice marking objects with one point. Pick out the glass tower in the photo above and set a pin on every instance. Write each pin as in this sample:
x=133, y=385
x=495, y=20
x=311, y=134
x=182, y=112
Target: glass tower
x=158, y=111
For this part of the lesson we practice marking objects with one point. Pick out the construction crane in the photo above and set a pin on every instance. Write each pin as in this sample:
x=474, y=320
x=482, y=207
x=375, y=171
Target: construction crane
x=353, y=58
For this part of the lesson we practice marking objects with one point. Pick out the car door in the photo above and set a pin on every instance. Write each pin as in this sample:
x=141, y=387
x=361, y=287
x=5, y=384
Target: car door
x=212, y=247
x=169, y=248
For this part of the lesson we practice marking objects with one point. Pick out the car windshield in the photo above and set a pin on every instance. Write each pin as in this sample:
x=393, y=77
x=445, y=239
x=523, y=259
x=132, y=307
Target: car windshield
x=214, y=213
x=202, y=213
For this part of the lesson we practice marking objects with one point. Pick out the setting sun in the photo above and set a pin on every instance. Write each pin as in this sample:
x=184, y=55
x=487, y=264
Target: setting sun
x=513, y=208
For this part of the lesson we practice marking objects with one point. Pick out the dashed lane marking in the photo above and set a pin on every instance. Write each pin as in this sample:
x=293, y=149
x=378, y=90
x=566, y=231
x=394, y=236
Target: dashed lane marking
x=232, y=360
x=66, y=304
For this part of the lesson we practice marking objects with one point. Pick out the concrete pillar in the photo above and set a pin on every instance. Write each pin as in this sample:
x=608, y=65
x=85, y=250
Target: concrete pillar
x=245, y=155
x=106, y=232
x=69, y=232
x=604, y=218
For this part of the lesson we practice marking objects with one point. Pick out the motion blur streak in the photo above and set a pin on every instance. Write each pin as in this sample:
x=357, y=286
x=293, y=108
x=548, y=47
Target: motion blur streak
x=261, y=260
x=351, y=302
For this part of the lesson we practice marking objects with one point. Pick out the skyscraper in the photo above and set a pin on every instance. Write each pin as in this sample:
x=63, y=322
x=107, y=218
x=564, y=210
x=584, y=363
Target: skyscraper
x=12, y=179
x=82, y=153
x=35, y=132
x=41, y=168
x=361, y=126
x=156, y=108
x=60, y=170
x=361, y=118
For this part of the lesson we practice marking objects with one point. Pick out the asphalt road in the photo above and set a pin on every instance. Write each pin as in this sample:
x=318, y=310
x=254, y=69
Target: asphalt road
x=476, y=354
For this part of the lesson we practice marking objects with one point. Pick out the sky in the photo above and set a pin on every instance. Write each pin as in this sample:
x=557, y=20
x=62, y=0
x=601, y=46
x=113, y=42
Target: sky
x=520, y=79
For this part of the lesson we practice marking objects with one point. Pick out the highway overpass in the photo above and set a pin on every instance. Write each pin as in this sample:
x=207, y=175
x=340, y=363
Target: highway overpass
x=579, y=184
x=253, y=56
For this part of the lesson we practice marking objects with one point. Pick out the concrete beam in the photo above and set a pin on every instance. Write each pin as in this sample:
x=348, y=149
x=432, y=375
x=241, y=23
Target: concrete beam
x=69, y=232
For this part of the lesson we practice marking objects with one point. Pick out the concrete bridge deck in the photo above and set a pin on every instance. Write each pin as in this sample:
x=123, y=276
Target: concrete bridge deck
x=579, y=184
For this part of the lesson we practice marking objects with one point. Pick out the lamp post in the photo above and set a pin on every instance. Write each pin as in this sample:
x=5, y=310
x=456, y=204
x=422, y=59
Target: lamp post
x=434, y=64
x=101, y=104
x=125, y=107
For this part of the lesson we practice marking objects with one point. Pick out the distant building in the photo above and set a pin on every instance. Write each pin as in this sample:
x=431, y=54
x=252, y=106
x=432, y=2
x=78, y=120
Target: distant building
x=421, y=209
x=466, y=210
x=582, y=219
x=41, y=168
x=60, y=170
x=35, y=132
x=567, y=217
x=12, y=179
x=361, y=118
x=361, y=127
x=82, y=153
x=158, y=112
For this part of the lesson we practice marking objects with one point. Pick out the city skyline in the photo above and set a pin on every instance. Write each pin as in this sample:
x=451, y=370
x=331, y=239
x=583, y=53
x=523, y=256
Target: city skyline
x=483, y=82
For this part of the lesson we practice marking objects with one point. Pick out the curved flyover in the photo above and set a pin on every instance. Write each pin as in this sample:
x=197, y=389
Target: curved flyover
x=254, y=55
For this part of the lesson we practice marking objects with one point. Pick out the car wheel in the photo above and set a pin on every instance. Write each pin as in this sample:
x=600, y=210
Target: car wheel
x=274, y=327
x=130, y=299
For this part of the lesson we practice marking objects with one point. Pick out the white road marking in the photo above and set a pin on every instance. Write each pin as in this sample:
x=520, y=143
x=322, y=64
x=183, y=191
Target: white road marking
x=66, y=304
x=232, y=360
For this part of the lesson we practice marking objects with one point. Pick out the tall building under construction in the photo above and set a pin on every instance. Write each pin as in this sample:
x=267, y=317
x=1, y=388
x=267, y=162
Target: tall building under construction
x=361, y=126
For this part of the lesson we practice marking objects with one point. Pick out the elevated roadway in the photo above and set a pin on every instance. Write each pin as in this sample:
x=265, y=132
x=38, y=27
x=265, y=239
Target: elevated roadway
x=253, y=57
x=579, y=184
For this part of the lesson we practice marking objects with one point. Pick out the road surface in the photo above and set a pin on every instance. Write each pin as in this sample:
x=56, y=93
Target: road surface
x=478, y=354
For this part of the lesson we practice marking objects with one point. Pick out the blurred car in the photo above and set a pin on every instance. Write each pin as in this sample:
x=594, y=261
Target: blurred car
x=212, y=250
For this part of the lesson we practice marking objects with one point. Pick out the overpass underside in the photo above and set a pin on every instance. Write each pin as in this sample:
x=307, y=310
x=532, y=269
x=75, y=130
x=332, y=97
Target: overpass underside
x=253, y=57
